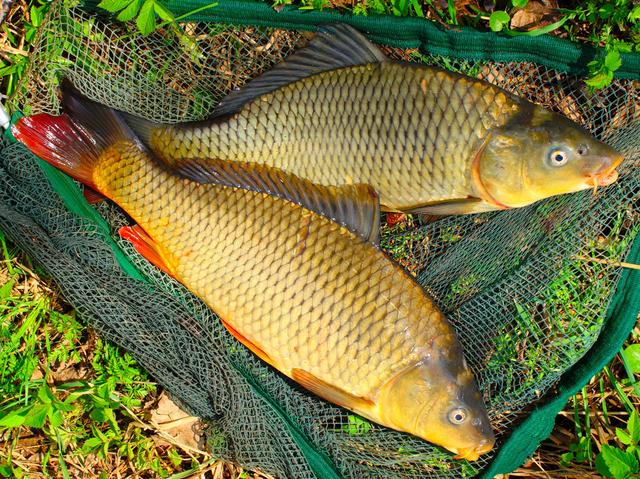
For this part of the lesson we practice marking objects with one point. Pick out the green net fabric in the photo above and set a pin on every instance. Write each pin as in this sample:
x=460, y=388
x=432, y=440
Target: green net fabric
x=527, y=290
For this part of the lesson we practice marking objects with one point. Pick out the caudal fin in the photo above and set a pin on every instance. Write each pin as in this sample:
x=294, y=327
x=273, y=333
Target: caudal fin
x=75, y=140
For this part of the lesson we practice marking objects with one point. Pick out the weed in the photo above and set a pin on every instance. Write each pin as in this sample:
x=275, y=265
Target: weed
x=19, y=38
x=622, y=462
x=76, y=399
x=356, y=426
x=612, y=24
x=561, y=319
x=146, y=13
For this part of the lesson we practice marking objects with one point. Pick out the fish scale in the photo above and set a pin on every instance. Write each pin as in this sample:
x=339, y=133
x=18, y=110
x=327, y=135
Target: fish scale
x=354, y=119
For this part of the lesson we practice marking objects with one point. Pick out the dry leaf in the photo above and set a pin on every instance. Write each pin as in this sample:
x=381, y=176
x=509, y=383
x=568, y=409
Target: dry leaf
x=172, y=420
x=535, y=15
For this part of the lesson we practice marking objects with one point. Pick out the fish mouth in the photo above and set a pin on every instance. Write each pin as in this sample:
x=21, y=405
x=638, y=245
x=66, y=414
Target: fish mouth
x=473, y=453
x=605, y=175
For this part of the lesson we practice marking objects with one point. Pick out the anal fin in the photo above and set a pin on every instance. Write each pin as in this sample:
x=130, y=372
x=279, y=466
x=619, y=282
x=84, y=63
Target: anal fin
x=455, y=207
x=144, y=245
x=255, y=349
x=329, y=392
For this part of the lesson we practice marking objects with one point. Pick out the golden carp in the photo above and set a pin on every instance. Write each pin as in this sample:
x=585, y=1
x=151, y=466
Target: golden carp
x=309, y=296
x=428, y=140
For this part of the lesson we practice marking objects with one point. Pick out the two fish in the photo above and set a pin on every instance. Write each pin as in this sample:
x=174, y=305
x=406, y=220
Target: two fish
x=281, y=243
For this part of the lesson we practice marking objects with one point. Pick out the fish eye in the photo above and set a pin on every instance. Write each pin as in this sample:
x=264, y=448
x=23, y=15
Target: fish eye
x=557, y=157
x=458, y=415
x=582, y=149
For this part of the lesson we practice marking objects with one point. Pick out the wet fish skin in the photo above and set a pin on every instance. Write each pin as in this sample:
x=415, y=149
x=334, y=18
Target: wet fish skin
x=428, y=140
x=407, y=130
x=313, y=299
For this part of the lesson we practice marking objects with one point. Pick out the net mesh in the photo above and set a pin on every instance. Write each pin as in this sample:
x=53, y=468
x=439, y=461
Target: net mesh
x=526, y=289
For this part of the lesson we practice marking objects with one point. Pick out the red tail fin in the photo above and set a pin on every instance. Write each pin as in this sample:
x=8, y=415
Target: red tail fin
x=75, y=140
x=61, y=142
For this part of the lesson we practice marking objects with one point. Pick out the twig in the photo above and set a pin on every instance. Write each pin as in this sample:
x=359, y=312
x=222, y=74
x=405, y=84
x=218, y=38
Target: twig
x=609, y=262
x=16, y=51
x=174, y=423
x=4, y=10
x=153, y=426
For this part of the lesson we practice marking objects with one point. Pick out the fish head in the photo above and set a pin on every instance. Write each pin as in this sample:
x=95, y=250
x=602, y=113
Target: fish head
x=437, y=400
x=541, y=154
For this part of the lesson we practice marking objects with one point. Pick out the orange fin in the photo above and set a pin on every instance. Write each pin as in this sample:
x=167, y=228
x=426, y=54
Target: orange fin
x=395, y=218
x=257, y=350
x=455, y=207
x=144, y=245
x=92, y=196
x=330, y=393
x=59, y=140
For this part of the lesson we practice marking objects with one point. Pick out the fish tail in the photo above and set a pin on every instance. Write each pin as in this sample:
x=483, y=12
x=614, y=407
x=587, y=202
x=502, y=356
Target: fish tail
x=75, y=140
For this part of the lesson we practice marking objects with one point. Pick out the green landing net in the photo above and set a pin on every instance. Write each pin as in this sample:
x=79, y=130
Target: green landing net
x=535, y=293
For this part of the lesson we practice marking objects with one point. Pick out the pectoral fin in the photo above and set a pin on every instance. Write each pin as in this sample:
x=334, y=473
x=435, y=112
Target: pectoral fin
x=455, y=207
x=330, y=393
x=354, y=206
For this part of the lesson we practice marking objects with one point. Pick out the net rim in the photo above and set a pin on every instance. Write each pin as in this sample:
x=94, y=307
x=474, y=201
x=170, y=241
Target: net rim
x=461, y=42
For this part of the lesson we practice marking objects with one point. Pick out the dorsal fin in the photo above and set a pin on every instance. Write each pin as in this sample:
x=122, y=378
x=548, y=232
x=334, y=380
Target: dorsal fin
x=356, y=207
x=335, y=46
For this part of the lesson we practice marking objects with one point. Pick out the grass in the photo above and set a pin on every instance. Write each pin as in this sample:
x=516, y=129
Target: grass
x=589, y=422
x=611, y=24
x=73, y=404
x=562, y=320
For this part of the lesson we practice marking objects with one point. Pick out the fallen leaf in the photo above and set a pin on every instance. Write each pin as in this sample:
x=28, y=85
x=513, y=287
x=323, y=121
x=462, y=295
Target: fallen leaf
x=535, y=15
x=172, y=420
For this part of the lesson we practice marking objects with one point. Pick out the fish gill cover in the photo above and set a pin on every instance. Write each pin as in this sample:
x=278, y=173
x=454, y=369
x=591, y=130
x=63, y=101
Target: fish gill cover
x=527, y=290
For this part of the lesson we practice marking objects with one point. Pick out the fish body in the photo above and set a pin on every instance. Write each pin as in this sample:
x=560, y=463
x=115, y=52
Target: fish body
x=306, y=294
x=352, y=125
x=426, y=139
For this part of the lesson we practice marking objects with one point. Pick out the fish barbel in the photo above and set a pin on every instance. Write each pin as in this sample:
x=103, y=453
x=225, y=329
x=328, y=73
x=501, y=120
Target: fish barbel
x=428, y=140
x=309, y=296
